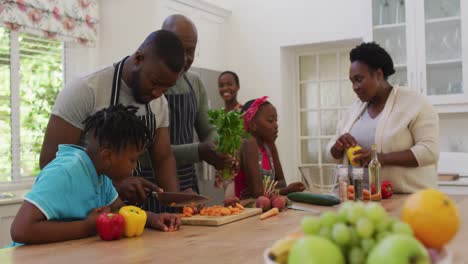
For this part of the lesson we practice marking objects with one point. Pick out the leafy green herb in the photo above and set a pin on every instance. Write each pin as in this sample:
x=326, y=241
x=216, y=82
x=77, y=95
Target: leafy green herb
x=230, y=128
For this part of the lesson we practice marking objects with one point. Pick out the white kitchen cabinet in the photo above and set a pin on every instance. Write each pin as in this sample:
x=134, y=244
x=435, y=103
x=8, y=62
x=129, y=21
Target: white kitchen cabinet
x=428, y=41
x=210, y=21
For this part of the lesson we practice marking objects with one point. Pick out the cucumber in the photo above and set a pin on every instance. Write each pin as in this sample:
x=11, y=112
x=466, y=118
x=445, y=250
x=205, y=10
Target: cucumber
x=314, y=198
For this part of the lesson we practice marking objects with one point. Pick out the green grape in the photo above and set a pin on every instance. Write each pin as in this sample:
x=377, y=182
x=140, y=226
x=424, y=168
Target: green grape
x=367, y=244
x=325, y=232
x=376, y=212
x=356, y=212
x=310, y=225
x=341, y=234
x=382, y=235
x=328, y=219
x=402, y=228
x=383, y=225
x=364, y=227
x=356, y=256
x=354, y=237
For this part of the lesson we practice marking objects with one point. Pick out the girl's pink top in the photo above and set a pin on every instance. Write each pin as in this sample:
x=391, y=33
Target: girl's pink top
x=240, y=181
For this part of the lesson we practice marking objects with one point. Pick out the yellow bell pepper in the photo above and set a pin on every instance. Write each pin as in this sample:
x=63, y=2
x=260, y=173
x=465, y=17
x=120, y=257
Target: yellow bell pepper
x=135, y=220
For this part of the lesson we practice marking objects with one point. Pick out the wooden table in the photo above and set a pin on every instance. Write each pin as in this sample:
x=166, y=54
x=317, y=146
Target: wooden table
x=240, y=242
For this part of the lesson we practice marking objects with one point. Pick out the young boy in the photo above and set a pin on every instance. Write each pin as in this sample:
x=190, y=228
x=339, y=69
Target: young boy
x=76, y=187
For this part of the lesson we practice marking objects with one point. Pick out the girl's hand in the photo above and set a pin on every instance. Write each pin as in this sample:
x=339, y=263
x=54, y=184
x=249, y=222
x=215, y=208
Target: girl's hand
x=296, y=187
x=164, y=222
x=362, y=156
x=93, y=216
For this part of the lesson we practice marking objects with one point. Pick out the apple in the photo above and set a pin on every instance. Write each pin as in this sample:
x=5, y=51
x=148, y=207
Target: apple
x=315, y=250
x=399, y=249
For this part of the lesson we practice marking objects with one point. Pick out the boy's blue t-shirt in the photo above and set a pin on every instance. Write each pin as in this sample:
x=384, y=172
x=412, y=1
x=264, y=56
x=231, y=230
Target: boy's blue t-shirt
x=68, y=188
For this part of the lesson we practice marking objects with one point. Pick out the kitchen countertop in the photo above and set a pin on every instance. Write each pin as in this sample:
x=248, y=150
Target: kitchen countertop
x=240, y=242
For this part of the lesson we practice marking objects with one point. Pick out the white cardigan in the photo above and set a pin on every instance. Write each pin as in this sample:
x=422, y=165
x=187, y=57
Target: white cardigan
x=408, y=121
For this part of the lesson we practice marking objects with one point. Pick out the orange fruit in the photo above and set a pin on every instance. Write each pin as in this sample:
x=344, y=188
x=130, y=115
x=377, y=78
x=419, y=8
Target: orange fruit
x=351, y=156
x=433, y=217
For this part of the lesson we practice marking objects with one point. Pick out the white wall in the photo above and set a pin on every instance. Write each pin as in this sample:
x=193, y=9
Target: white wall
x=124, y=25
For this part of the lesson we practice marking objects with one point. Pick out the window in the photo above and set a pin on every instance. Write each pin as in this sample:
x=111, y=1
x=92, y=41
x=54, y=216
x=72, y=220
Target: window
x=325, y=93
x=31, y=74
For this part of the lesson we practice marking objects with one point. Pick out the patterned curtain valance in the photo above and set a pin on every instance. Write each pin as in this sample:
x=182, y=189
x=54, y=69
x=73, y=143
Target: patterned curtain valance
x=67, y=20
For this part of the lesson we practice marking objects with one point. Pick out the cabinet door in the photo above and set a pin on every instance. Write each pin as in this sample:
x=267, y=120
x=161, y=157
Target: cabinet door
x=392, y=32
x=440, y=33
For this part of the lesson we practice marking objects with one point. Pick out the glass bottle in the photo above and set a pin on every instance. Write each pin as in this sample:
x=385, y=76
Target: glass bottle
x=343, y=182
x=357, y=182
x=374, y=175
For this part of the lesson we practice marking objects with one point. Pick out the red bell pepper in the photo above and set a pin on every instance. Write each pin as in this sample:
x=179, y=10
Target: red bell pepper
x=387, y=189
x=110, y=226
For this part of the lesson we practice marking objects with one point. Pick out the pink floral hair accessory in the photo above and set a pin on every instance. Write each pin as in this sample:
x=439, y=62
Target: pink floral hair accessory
x=252, y=111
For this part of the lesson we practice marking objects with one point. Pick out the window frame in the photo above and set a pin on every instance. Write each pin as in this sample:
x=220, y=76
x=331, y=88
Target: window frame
x=321, y=165
x=17, y=181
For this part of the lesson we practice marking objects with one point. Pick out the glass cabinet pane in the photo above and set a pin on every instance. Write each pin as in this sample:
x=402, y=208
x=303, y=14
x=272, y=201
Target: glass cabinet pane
x=348, y=96
x=308, y=69
x=393, y=40
x=434, y=9
x=309, y=123
x=329, y=94
x=309, y=151
x=399, y=78
x=444, y=79
x=309, y=95
x=328, y=66
x=329, y=119
x=388, y=12
x=344, y=65
x=324, y=143
x=443, y=41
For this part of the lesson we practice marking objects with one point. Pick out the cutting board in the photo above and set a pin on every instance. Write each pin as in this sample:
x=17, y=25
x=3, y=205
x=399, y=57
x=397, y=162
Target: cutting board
x=204, y=220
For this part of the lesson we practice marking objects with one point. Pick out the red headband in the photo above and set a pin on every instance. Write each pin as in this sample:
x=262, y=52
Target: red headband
x=250, y=113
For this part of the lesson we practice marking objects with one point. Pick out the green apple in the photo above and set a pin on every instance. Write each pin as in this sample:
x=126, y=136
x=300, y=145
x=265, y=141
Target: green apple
x=399, y=249
x=315, y=250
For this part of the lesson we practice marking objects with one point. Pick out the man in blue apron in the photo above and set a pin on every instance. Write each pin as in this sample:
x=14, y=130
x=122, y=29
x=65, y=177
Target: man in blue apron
x=188, y=106
x=139, y=80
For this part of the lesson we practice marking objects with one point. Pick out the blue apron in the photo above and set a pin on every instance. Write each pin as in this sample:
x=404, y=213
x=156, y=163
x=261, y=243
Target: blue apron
x=144, y=168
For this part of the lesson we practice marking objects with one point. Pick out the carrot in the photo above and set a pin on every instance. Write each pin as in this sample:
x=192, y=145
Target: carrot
x=350, y=196
x=238, y=205
x=350, y=189
x=269, y=213
x=376, y=196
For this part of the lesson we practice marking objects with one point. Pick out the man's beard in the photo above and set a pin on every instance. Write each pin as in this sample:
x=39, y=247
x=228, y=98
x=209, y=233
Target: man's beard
x=135, y=86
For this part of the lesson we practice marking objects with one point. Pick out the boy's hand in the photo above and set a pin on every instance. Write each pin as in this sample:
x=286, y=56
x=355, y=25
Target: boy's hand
x=164, y=221
x=135, y=189
x=93, y=216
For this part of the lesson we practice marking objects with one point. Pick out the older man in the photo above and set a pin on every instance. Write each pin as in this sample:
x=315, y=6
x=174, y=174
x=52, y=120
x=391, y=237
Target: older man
x=188, y=105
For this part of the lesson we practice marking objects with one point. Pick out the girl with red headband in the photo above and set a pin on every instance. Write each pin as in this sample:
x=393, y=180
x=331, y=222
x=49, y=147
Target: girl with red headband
x=258, y=154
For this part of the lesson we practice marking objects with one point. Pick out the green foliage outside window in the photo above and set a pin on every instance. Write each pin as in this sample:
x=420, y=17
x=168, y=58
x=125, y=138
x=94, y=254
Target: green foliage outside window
x=41, y=74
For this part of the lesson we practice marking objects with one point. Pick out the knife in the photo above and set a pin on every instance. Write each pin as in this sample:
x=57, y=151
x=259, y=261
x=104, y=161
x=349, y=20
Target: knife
x=303, y=208
x=177, y=199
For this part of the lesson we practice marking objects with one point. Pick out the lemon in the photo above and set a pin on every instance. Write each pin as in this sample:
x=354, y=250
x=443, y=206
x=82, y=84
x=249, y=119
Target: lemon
x=351, y=156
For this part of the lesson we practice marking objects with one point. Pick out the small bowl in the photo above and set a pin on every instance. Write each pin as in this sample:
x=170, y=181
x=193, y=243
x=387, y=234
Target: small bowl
x=446, y=254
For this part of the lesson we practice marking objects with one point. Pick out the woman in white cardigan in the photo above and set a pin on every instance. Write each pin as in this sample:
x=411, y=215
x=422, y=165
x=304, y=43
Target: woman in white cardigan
x=401, y=122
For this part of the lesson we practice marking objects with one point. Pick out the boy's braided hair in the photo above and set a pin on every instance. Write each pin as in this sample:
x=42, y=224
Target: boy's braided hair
x=117, y=127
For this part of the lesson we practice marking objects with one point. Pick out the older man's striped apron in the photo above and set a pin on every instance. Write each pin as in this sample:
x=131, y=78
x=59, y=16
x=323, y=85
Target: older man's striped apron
x=182, y=115
x=144, y=168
